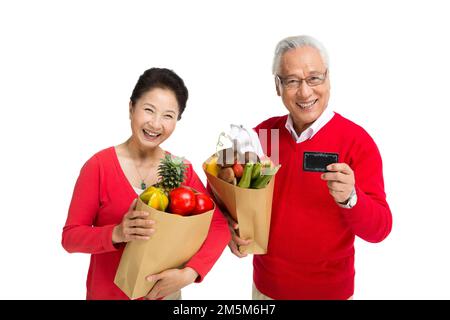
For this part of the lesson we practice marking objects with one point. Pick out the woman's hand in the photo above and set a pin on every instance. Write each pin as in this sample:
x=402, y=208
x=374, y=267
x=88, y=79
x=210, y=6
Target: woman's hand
x=170, y=281
x=134, y=226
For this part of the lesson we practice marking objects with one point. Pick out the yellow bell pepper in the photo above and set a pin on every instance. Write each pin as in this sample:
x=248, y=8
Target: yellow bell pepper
x=212, y=167
x=155, y=198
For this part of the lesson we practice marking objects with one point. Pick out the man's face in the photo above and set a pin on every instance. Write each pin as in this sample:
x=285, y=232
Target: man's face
x=305, y=103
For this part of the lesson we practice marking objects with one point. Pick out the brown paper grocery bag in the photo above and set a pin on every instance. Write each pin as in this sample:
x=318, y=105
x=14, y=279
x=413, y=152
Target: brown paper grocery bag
x=251, y=208
x=175, y=241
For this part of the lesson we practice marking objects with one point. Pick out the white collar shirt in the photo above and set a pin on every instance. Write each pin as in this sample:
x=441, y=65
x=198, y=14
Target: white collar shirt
x=323, y=119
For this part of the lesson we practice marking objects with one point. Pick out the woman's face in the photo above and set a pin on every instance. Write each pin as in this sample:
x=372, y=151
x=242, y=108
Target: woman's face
x=154, y=117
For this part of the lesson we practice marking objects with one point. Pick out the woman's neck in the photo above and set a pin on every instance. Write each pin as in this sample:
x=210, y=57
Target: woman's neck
x=143, y=155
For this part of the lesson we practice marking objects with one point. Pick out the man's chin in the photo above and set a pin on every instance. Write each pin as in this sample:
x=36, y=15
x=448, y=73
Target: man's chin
x=304, y=120
x=308, y=116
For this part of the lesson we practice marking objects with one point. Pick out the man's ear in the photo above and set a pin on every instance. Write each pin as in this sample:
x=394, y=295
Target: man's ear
x=130, y=109
x=277, y=87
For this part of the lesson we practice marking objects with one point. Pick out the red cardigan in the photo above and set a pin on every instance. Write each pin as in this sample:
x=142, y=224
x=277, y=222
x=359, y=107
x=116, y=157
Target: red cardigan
x=311, y=253
x=101, y=197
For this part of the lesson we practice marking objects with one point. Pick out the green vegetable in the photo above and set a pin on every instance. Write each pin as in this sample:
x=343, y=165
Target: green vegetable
x=261, y=182
x=256, y=172
x=246, y=176
x=264, y=178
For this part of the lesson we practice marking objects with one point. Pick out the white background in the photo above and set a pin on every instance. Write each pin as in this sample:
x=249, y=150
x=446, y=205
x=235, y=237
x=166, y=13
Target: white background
x=67, y=69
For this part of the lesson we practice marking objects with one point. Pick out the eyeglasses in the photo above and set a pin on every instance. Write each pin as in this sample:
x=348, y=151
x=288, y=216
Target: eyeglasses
x=294, y=83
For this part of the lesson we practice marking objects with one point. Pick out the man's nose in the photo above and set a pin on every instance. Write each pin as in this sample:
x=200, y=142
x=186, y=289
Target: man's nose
x=304, y=90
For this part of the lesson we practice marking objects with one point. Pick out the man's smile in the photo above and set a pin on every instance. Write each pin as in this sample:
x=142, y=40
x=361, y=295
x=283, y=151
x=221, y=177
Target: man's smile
x=307, y=105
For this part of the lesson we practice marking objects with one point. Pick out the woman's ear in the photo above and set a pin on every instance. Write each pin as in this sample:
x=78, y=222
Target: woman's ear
x=130, y=109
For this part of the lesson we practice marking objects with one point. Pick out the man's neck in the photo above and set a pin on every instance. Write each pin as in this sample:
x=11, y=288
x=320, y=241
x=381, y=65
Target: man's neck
x=299, y=128
x=302, y=131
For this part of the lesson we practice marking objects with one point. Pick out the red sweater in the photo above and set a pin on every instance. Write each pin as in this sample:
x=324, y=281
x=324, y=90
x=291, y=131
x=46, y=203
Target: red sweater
x=101, y=197
x=311, y=253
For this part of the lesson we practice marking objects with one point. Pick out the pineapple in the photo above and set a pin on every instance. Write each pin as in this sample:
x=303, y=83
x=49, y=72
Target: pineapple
x=171, y=172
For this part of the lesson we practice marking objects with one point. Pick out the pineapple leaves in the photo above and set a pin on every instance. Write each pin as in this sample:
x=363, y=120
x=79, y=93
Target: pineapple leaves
x=171, y=172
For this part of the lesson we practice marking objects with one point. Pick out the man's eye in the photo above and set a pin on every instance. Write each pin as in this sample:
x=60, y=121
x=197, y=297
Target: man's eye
x=168, y=116
x=314, y=79
x=291, y=81
x=148, y=110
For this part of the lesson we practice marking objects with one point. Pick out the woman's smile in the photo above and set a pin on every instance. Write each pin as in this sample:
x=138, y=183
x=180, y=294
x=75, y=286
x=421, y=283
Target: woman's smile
x=150, y=135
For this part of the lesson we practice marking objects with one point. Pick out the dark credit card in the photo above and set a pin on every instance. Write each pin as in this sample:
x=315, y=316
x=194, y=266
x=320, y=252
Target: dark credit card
x=318, y=161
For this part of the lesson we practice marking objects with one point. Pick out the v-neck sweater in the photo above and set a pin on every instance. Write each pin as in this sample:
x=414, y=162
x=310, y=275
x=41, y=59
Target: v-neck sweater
x=311, y=242
x=101, y=197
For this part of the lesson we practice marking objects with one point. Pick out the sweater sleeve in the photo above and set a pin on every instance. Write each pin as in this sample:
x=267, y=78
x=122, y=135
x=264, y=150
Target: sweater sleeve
x=79, y=233
x=371, y=217
x=217, y=238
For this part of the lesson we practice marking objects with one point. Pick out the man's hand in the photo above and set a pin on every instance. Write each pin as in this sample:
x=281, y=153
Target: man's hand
x=170, y=281
x=340, y=180
x=235, y=241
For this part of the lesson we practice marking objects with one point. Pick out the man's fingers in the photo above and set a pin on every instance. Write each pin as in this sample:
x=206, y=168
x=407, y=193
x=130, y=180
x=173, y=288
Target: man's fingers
x=235, y=249
x=236, y=241
x=232, y=222
x=336, y=193
x=338, y=177
x=240, y=241
x=333, y=176
x=228, y=216
x=336, y=186
x=340, y=167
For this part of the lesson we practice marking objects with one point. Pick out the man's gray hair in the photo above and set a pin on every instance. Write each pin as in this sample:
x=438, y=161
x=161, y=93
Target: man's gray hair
x=297, y=42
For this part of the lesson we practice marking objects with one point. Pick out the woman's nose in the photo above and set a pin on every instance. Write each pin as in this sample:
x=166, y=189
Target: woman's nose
x=155, y=122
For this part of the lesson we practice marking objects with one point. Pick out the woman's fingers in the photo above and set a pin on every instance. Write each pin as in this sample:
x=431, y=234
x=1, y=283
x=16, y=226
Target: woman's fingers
x=131, y=237
x=143, y=223
x=132, y=205
x=136, y=214
x=140, y=231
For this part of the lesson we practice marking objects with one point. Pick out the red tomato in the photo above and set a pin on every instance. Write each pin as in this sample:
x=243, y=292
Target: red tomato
x=182, y=201
x=203, y=203
x=238, y=170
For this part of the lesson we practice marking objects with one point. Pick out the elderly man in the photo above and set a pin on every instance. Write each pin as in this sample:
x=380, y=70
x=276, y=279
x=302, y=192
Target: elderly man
x=316, y=215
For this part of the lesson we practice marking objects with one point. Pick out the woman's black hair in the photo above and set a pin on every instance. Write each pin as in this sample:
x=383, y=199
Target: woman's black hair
x=161, y=78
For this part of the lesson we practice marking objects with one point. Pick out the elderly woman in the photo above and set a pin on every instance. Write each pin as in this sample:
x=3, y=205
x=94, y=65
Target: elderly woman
x=102, y=216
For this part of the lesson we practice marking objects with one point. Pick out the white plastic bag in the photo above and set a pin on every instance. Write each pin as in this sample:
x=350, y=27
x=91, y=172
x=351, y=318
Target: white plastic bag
x=241, y=140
